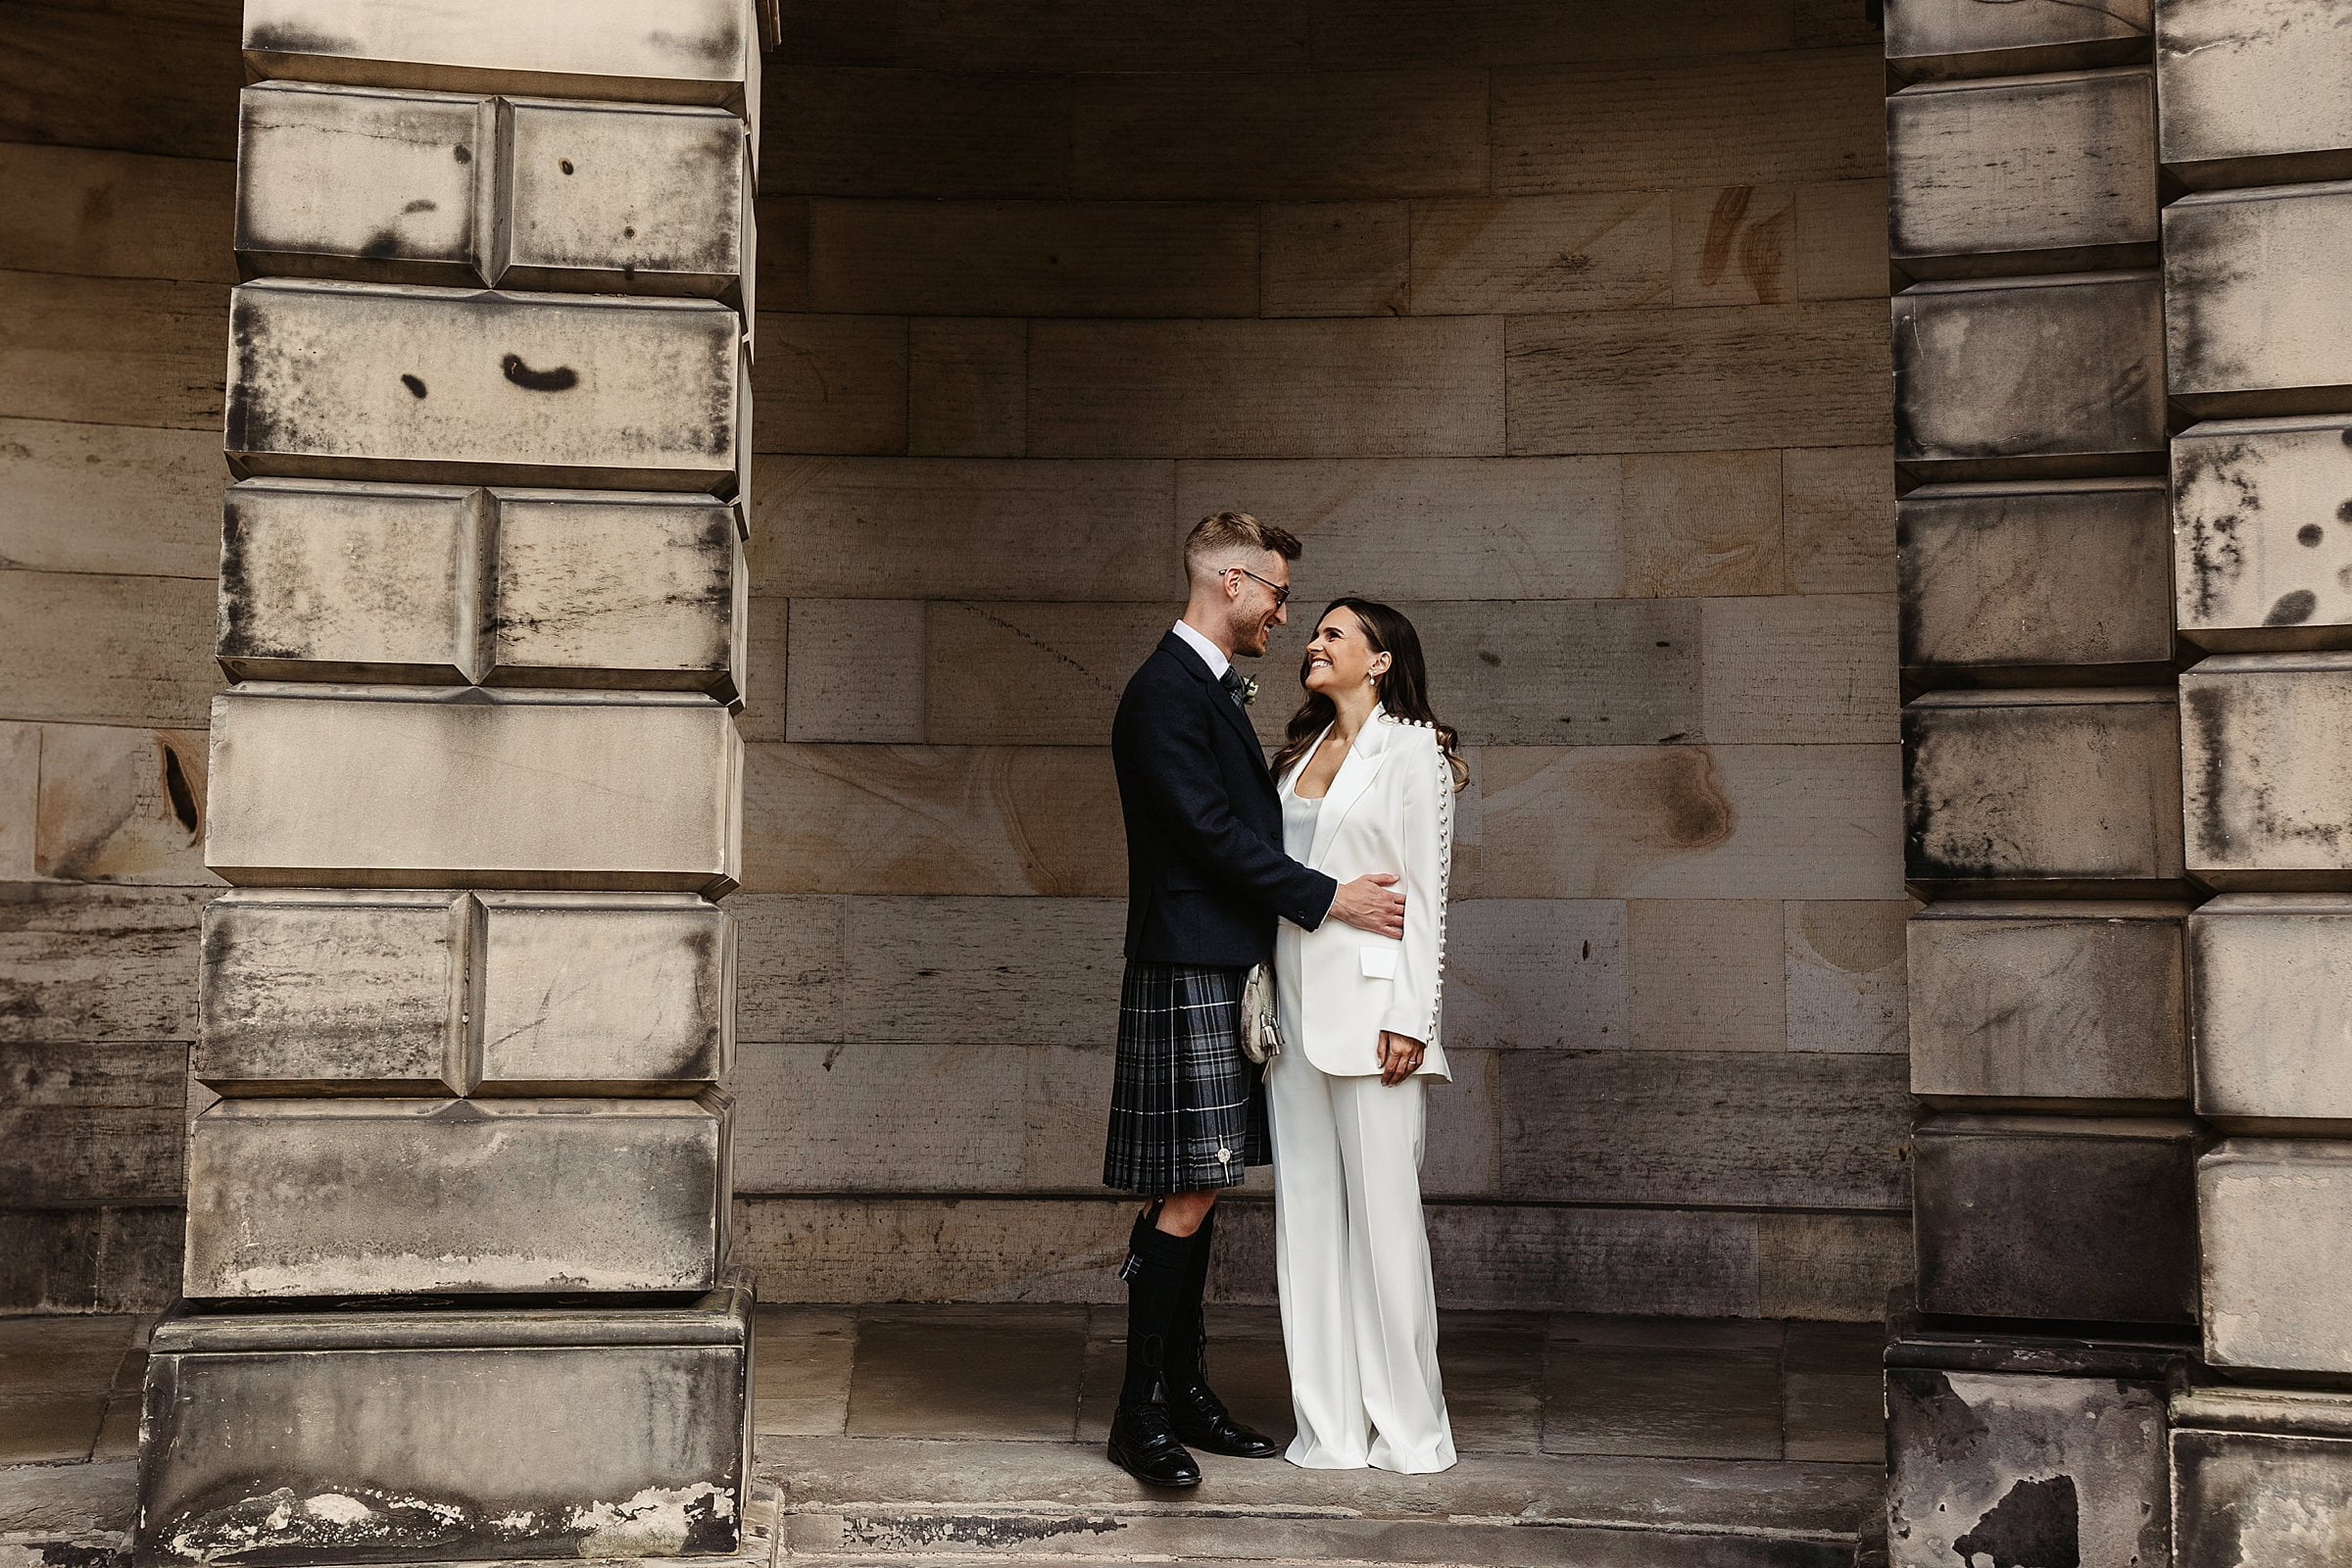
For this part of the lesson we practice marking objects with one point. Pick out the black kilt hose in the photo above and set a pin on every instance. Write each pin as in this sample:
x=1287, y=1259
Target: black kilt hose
x=1206, y=879
x=1187, y=1108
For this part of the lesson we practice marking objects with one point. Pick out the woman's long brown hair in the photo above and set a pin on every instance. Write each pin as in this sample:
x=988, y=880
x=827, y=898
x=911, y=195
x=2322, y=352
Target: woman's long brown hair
x=1403, y=690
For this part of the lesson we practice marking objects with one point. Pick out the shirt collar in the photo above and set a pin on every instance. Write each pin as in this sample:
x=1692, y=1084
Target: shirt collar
x=1211, y=654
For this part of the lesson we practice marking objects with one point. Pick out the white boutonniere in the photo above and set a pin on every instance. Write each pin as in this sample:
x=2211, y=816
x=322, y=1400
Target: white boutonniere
x=1249, y=690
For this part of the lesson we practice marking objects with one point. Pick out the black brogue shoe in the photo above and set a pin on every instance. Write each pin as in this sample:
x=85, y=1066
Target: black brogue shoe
x=1201, y=1419
x=1143, y=1445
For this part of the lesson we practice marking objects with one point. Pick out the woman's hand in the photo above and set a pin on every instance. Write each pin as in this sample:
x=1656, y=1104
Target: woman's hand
x=1399, y=1056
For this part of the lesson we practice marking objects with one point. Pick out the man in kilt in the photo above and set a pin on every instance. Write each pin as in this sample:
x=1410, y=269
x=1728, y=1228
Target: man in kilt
x=1206, y=879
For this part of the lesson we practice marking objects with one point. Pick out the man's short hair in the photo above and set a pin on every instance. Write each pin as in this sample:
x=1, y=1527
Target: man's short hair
x=1222, y=532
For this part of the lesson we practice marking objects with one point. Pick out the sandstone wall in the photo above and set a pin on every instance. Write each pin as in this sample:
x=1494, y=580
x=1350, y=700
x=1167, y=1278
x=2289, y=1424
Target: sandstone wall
x=1562, y=329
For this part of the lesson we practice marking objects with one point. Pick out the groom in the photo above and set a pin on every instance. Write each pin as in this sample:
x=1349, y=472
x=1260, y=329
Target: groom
x=1206, y=879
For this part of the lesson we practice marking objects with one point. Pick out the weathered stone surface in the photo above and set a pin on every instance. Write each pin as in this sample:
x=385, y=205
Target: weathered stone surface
x=1606, y=251
x=2022, y=175
x=85, y=1123
x=112, y=351
x=2253, y=311
x=1843, y=962
x=2072, y=1217
x=967, y=388
x=2274, y=1216
x=97, y=963
x=2048, y=1005
x=317, y=992
x=1335, y=258
x=1937, y=38
x=588, y=993
x=1704, y=974
x=1699, y=525
x=392, y=787
x=2024, y=376
x=1815, y=669
x=108, y=213
x=2269, y=972
x=332, y=581
x=369, y=1466
x=2266, y=764
x=644, y=592
x=2024, y=1468
x=381, y=381
x=2044, y=790
x=119, y=804
x=2261, y=1476
x=2253, y=94
x=831, y=384
x=360, y=183
x=2003, y=580
x=2260, y=553
x=705, y=52
x=1735, y=245
x=1837, y=512
x=631, y=199
x=109, y=498
x=300, y=1197
x=104, y=649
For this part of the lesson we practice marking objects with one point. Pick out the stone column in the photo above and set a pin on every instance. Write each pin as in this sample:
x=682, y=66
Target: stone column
x=2053, y=1159
x=457, y=1225
x=2257, y=125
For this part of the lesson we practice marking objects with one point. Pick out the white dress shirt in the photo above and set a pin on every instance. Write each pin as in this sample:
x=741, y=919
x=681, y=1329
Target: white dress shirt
x=1214, y=656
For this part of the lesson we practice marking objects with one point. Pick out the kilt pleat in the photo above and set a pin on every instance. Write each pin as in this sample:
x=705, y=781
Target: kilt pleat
x=1188, y=1109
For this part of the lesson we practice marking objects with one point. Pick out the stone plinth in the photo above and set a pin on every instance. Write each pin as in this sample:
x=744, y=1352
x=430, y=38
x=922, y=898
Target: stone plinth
x=1928, y=39
x=2070, y=790
x=396, y=787
x=2047, y=1005
x=2274, y=1216
x=300, y=1438
x=2257, y=314
x=2030, y=174
x=2270, y=974
x=635, y=198
x=2072, y=1219
x=2011, y=1449
x=2261, y=1477
x=323, y=1197
x=2030, y=377
x=588, y=993
x=2057, y=580
x=2262, y=538
x=389, y=381
x=2254, y=94
x=2266, y=765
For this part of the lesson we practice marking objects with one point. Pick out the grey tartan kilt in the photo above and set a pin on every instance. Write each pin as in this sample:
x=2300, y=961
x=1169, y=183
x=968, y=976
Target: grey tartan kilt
x=1187, y=1108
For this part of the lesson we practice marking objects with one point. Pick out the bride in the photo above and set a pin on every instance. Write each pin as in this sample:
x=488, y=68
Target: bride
x=1367, y=784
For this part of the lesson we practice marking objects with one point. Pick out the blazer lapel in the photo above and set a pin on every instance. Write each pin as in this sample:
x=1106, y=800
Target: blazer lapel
x=1233, y=712
x=1355, y=778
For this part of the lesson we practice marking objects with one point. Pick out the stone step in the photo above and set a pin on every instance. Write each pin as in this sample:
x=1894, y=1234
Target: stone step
x=868, y=1502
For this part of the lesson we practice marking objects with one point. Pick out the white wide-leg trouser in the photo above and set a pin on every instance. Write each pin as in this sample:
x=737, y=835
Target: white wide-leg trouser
x=1360, y=1311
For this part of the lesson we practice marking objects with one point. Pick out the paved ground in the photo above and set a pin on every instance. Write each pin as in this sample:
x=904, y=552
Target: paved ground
x=953, y=1434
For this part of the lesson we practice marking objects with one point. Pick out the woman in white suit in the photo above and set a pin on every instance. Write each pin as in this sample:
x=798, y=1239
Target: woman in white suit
x=1367, y=783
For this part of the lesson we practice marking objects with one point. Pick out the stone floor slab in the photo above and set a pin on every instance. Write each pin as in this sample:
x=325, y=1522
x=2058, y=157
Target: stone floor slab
x=1662, y=1402
x=1677, y=1332
x=800, y=1370
x=967, y=1372
x=49, y=1428
x=61, y=1354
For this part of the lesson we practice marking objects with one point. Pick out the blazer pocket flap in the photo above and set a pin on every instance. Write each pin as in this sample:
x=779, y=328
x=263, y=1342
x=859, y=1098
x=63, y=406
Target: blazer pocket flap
x=1380, y=963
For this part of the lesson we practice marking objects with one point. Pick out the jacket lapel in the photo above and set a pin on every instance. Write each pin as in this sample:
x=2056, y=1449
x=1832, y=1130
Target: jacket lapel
x=1233, y=711
x=1355, y=778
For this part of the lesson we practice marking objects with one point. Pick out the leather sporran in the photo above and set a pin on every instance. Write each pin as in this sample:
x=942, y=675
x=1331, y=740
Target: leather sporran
x=1261, y=1030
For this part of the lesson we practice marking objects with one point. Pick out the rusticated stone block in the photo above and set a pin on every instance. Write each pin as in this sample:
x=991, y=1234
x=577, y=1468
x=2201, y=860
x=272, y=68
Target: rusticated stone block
x=588, y=993
x=2274, y=1216
x=2024, y=1468
x=2265, y=768
x=2029, y=376
x=2000, y=580
x=327, y=581
x=2042, y=1004
x=1944, y=39
x=321, y=1438
x=308, y=992
x=2274, y=1041
x=636, y=591
x=301, y=1197
x=2261, y=553
x=2084, y=1219
x=361, y=182
x=2261, y=1476
x=396, y=787
x=2069, y=789
x=2022, y=174
x=702, y=52
x=383, y=381
x=2257, y=316
x=633, y=199
x=2254, y=94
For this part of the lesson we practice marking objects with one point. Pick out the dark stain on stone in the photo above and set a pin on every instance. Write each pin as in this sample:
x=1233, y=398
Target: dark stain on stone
x=2343, y=512
x=565, y=163
x=465, y=153
x=2205, y=714
x=423, y=204
x=293, y=39
x=1676, y=800
x=380, y=244
x=2292, y=609
x=2310, y=535
x=628, y=232
x=2037, y=1524
x=563, y=378
x=1953, y=1429
x=70, y=1555
x=415, y=387
x=2215, y=552
x=1491, y=661
x=176, y=788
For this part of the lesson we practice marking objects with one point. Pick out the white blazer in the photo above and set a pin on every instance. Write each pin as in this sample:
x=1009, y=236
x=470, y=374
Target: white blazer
x=1391, y=809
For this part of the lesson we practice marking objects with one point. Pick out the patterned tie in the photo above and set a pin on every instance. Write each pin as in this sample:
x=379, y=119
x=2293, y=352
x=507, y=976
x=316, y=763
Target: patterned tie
x=1230, y=680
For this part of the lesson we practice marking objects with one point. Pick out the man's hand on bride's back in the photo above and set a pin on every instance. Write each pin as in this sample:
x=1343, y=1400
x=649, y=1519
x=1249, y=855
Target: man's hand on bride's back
x=1368, y=905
